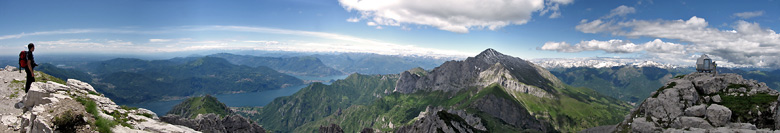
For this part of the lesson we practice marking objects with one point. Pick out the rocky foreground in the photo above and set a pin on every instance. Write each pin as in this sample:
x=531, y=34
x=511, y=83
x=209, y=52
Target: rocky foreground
x=703, y=102
x=74, y=107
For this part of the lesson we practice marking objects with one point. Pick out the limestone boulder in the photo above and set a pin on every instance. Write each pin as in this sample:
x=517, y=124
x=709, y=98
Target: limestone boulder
x=691, y=122
x=718, y=115
x=697, y=111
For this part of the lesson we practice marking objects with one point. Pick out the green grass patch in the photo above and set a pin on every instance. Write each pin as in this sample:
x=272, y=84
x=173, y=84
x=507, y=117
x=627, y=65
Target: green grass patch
x=16, y=94
x=94, y=93
x=660, y=90
x=679, y=76
x=147, y=115
x=737, y=86
x=128, y=107
x=200, y=105
x=103, y=125
x=741, y=105
x=18, y=81
x=43, y=77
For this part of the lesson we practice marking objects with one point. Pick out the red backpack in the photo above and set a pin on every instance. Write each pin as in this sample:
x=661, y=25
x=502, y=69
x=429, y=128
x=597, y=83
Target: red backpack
x=22, y=60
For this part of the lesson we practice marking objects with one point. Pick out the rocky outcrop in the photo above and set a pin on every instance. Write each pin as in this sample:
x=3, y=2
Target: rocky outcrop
x=212, y=123
x=440, y=120
x=510, y=112
x=703, y=102
x=51, y=107
x=191, y=107
x=487, y=68
x=333, y=128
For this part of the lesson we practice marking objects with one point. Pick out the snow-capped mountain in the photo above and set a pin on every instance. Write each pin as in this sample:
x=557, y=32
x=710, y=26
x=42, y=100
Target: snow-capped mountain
x=598, y=62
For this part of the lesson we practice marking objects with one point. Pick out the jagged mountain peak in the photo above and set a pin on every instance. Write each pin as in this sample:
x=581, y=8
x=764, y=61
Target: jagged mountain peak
x=487, y=68
x=490, y=52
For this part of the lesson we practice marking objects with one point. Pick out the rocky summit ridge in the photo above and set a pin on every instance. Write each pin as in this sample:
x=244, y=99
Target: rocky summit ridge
x=74, y=107
x=488, y=67
x=705, y=102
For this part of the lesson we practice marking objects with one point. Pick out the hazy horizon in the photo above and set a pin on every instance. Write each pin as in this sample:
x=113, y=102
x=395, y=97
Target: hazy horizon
x=675, y=32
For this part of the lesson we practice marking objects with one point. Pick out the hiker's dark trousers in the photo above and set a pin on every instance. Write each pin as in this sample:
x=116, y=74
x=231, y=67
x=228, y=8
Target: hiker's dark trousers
x=30, y=80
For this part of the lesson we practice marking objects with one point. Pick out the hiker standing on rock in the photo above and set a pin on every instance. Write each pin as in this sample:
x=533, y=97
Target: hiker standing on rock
x=28, y=68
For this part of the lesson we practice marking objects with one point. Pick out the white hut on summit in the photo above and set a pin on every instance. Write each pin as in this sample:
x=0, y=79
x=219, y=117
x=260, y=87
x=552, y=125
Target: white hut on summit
x=705, y=64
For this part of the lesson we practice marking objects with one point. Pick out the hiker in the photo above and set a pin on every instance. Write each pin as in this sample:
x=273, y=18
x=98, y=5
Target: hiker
x=714, y=68
x=30, y=65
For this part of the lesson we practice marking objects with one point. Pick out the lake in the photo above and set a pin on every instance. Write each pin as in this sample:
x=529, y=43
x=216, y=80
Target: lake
x=239, y=99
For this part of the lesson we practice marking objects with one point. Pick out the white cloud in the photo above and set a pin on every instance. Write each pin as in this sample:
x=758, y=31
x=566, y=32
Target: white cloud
x=69, y=31
x=621, y=10
x=747, y=44
x=354, y=20
x=595, y=26
x=159, y=40
x=746, y=15
x=456, y=16
x=371, y=23
x=326, y=42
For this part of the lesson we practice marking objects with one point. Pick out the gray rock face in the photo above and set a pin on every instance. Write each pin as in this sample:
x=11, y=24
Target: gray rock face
x=213, y=124
x=716, y=99
x=79, y=85
x=436, y=120
x=10, y=68
x=691, y=122
x=718, y=115
x=46, y=102
x=693, y=103
x=642, y=126
x=508, y=112
x=697, y=111
x=600, y=129
x=407, y=82
x=333, y=128
x=747, y=126
x=458, y=75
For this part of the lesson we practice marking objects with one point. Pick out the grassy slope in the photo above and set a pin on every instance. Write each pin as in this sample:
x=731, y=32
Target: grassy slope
x=583, y=109
x=200, y=105
x=319, y=100
x=627, y=83
x=576, y=109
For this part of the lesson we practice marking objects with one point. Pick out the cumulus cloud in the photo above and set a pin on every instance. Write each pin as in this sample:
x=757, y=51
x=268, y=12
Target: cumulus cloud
x=456, y=16
x=746, y=44
x=746, y=15
x=621, y=10
x=613, y=46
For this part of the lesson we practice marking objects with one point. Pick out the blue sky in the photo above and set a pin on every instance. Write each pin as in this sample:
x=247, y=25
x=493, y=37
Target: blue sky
x=738, y=32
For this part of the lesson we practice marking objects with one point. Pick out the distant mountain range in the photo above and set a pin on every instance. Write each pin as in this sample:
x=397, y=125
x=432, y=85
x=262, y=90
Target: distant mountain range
x=634, y=83
x=302, y=65
x=491, y=92
x=552, y=63
x=134, y=80
x=366, y=63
